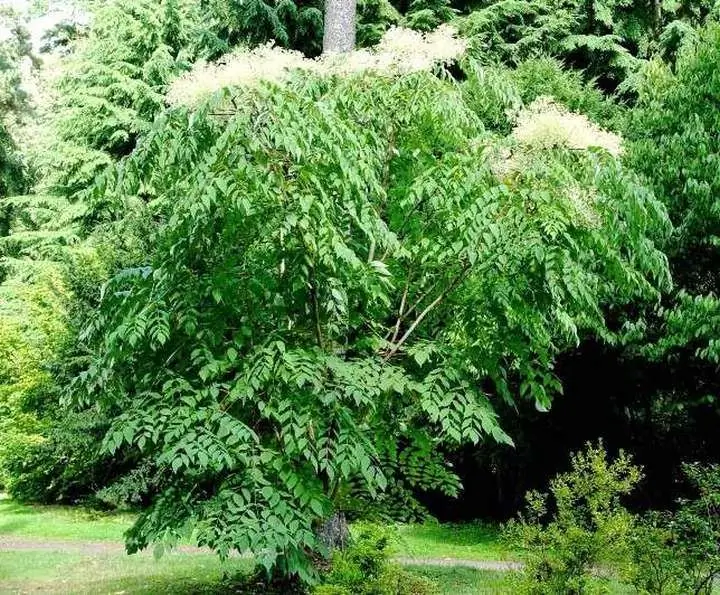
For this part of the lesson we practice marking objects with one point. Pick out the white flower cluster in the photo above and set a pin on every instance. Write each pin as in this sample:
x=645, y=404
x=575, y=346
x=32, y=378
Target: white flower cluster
x=400, y=51
x=545, y=124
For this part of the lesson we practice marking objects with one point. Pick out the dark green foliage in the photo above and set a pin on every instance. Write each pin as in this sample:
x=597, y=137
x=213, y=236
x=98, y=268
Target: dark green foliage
x=674, y=142
x=514, y=30
x=114, y=85
x=426, y=15
x=374, y=18
x=497, y=93
x=296, y=25
x=12, y=176
x=606, y=38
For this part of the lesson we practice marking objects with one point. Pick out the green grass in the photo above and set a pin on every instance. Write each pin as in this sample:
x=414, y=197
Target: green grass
x=61, y=522
x=471, y=541
x=113, y=572
x=465, y=581
x=44, y=572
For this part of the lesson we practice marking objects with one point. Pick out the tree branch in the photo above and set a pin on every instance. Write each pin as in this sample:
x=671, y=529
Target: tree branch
x=427, y=310
x=400, y=312
x=316, y=308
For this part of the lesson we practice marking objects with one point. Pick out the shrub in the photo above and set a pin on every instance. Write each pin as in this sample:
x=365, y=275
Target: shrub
x=655, y=567
x=696, y=528
x=365, y=568
x=679, y=552
x=566, y=535
x=64, y=464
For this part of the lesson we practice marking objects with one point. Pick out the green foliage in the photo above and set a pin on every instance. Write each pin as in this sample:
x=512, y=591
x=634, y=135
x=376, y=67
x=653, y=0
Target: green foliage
x=63, y=464
x=579, y=526
x=496, y=94
x=374, y=17
x=514, y=30
x=12, y=175
x=297, y=25
x=113, y=86
x=679, y=552
x=674, y=143
x=364, y=568
x=32, y=329
x=40, y=227
x=14, y=48
x=697, y=528
x=607, y=38
x=426, y=15
x=656, y=566
x=48, y=452
x=319, y=313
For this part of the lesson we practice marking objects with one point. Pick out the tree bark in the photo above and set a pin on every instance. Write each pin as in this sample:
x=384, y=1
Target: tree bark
x=657, y=17
x=339, y=33
x=334, y=533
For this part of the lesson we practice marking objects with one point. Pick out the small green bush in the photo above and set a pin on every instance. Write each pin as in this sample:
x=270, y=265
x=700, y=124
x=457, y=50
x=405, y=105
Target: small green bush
x=331, y=590
x=655, y=565
x=365, y=568
x=580, y=526
x=676, y=553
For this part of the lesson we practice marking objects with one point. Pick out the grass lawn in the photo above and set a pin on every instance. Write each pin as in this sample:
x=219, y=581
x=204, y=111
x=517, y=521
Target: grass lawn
x=470, y=541
x=102, y=569
x=465, y=581
x=25, y=571
x=51, y=572
x=61, y=522
x=42, y=572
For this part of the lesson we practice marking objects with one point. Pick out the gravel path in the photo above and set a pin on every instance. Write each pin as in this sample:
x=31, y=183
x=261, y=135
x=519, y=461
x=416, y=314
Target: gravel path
x=497, y=565
x=109, y=547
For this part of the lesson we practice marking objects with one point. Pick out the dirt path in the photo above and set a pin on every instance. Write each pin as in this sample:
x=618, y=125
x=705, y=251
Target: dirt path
x=92, y=548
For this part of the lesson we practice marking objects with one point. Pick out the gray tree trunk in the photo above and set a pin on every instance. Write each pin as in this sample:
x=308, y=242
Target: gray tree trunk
x=339, y=34
x=657, y=17
x=335, y=532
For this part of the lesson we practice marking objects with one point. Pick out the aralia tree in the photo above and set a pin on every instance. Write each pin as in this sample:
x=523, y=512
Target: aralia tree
x=344, y=275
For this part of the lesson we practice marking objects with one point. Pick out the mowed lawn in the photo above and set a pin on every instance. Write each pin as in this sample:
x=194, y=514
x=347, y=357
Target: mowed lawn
x=53, y=549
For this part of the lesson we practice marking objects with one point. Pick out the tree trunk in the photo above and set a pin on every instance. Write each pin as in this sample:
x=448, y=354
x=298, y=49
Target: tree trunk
x=339, y=34
x=334, y=533
x=657, y=17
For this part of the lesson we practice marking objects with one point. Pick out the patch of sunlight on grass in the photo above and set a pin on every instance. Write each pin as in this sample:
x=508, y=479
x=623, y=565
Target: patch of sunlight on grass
x=43, y=572
x=468, y=541
x=61, y=522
